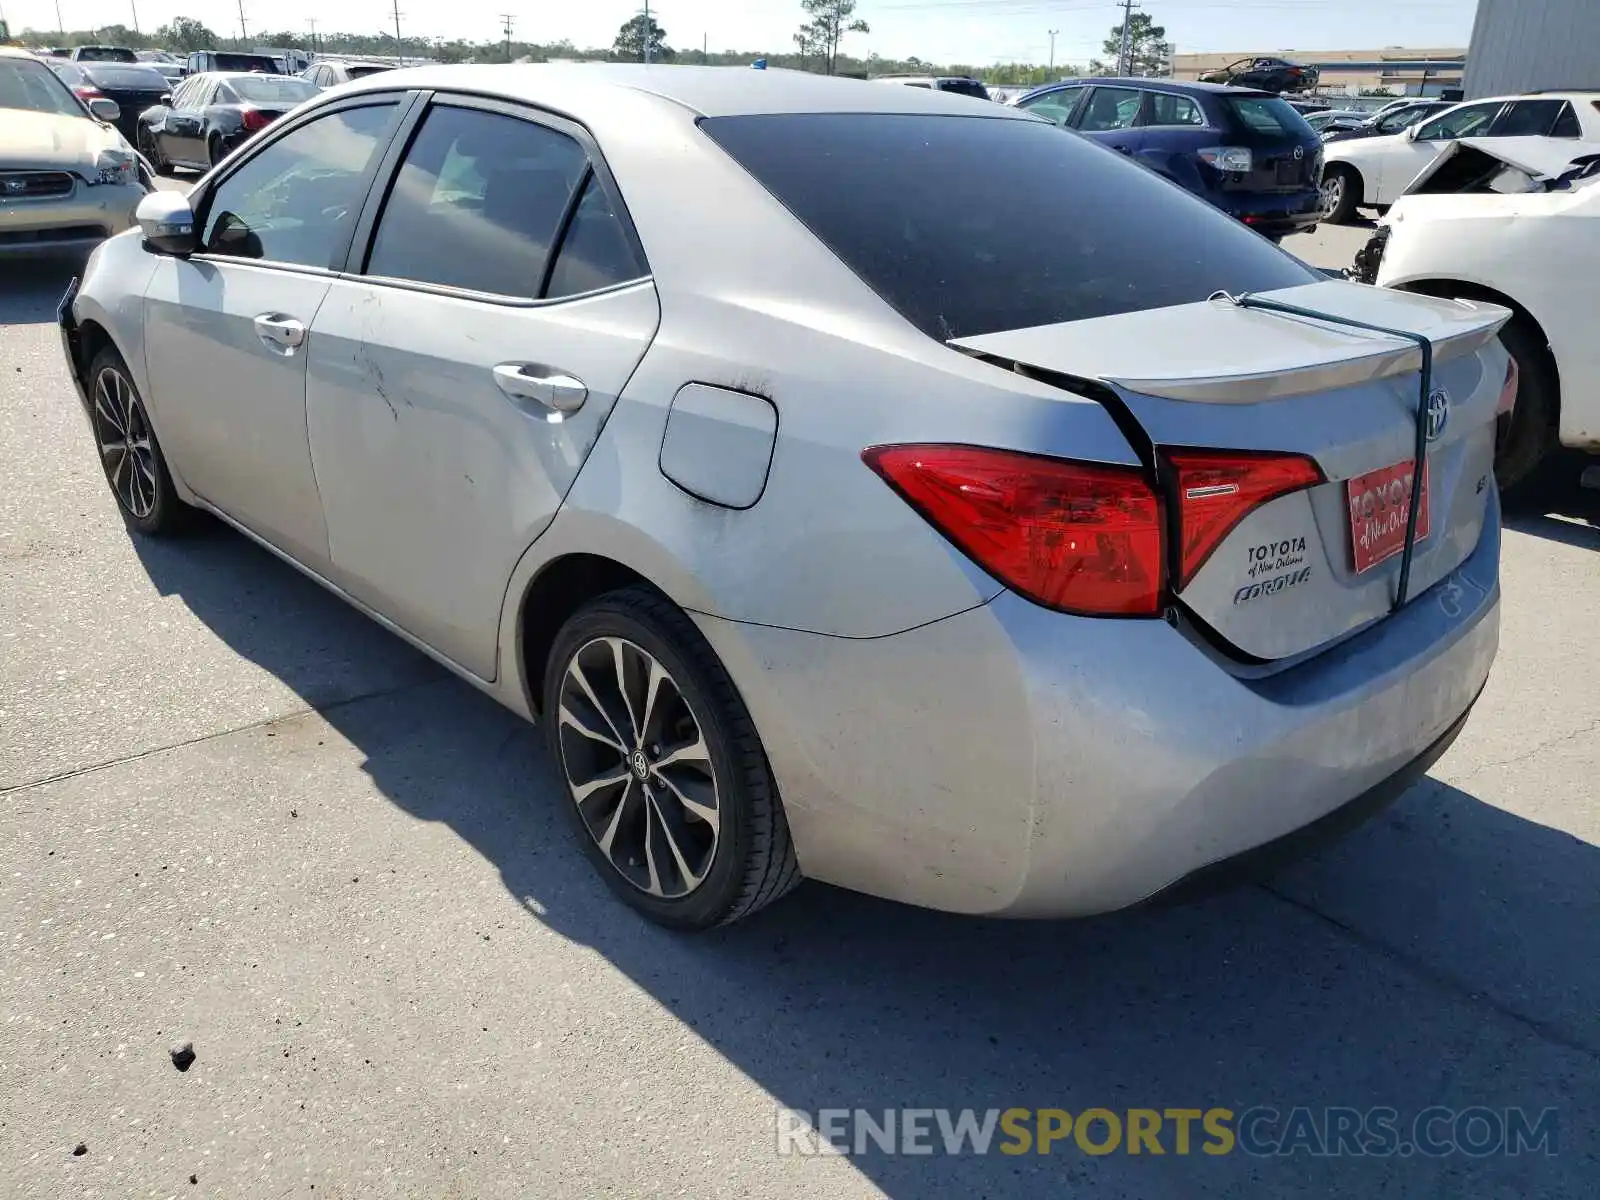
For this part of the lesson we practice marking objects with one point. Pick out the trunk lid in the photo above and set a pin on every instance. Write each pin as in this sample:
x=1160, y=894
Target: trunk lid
x=1284, y=581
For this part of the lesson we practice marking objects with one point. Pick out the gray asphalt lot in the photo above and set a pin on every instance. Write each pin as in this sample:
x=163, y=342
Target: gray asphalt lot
x=236, y=811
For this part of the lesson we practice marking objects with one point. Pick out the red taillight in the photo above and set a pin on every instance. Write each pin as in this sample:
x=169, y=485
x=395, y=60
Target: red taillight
x=254, y=119
x=1218, y=488
x=1508, y=390
x=1081, y=537
x=85, y=92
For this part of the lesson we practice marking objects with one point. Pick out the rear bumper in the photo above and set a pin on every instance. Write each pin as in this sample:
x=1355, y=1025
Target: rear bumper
x=1274, y=215
x=85, y=218
x=1013, y=761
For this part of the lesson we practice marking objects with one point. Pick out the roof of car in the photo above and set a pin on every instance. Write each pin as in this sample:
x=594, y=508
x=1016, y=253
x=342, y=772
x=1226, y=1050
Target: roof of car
x=705, y=91
x=1182, y=86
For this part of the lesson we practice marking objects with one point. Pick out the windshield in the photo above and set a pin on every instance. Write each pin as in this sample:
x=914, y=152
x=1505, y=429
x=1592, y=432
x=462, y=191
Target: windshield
x=272, y=89
x=971, y=225
x=31, y=87
x=106, y=54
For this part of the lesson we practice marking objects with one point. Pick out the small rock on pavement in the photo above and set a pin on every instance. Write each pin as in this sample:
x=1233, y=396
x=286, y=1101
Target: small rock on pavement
x=182, y=1054
x=79, y=1150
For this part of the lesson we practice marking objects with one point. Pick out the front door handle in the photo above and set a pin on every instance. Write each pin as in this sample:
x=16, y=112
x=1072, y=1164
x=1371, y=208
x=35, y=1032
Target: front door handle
x=280, y=332
x=547, y=387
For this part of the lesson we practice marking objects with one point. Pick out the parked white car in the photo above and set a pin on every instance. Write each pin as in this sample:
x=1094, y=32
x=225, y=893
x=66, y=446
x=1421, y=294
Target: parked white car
x=1376, y=171
x=1534, y=251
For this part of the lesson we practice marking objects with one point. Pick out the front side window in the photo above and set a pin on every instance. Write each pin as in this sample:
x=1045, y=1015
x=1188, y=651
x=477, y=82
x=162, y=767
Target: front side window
x=1470, y=120
x=1054, y=106
x=291, y=201
x=956, y=222
x=477, y=203
x=1110, y=108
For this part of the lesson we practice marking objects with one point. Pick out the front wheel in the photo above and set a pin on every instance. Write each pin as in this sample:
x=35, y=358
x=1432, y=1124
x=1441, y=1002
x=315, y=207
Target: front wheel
x=130, y=456
x=666, y=782
x=152, y=153
x=1341, y=194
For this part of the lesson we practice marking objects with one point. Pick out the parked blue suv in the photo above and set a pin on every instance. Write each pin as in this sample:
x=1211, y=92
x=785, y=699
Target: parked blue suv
x=1246, y=151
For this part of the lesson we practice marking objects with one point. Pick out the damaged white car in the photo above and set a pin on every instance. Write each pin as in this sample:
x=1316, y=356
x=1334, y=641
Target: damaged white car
x=1518, y=226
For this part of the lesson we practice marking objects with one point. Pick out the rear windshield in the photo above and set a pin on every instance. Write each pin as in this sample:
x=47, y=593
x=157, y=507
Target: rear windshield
x=272, y=89
x=106, y=54
x=244, y=62
x=971, y=225
x=964, y=87
x=1267, y=114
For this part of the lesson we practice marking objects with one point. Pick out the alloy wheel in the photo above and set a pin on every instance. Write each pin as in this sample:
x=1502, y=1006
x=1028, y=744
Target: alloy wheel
x=127, y=451
x=637, y=765
x=1332, y=191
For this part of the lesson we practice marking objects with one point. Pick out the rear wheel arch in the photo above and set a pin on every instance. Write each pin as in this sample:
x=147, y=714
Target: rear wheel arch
x=1457, y=289
x=561, y=588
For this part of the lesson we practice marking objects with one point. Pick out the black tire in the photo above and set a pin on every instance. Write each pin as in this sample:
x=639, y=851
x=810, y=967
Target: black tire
x=139, y=480
x=214, y=150
x=1342, y=209
x=152, y=153
x=1529, y=433
x=752, y=862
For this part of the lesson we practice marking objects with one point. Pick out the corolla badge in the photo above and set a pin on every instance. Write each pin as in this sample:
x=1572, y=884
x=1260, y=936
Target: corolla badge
x=1438, y=413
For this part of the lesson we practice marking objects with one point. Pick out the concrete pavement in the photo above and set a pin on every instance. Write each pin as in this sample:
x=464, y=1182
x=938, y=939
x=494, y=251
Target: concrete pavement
x=238, y=812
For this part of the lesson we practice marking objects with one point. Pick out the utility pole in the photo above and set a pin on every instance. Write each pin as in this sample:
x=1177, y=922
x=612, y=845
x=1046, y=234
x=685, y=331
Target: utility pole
x=61, y=27
x=705, y=49
x=647, y=32
x=1124, y=58
x=133, y=4
x=506, y=21
x=244, y=34
x=399, y=47
x=1053, y=33
x=316, y=47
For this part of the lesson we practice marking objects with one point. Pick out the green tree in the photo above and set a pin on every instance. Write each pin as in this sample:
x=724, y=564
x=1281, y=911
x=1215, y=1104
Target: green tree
x=635, y=34
x=1149, y=52
x=830, y=21
x=186, y=33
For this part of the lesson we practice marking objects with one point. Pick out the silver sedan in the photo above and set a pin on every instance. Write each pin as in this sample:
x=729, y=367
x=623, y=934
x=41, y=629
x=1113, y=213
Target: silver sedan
x=854, y=482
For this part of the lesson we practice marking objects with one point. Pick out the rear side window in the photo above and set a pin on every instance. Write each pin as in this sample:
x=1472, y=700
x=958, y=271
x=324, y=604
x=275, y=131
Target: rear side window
x=478, y=203
x=1266, y=114
x=597, y=251
x=1167, y=109
x=1532, y=118
x=970, y=225
x=1055, y=106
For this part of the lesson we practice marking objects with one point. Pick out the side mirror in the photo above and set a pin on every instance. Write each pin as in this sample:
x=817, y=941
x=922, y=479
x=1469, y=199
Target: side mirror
x=166, y=98
x=105, y=109
x=1411, y=132
x=167, y=221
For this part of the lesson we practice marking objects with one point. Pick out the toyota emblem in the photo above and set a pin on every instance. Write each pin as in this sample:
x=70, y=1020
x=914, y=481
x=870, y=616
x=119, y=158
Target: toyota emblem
x=1438, y=413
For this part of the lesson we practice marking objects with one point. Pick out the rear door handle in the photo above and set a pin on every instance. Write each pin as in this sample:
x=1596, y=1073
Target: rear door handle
x=280, y=332
x=548, y=387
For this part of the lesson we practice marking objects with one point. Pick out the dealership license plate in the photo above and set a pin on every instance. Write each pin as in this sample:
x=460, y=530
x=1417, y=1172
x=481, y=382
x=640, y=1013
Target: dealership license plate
x=1380, y=506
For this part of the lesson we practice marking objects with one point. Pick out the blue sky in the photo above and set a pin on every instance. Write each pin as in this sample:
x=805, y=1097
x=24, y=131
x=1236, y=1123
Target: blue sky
x=970, y=31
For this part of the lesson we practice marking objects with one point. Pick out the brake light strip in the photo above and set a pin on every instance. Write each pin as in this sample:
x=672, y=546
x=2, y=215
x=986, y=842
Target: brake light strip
x=1420, y=445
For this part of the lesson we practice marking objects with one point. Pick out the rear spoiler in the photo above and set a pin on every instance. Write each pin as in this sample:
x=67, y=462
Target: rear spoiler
x=1215, y=352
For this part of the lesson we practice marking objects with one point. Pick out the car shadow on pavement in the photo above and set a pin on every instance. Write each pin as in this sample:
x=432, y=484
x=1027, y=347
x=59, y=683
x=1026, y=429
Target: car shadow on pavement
x=1447, y=953
x=31, y=289
x=1555, y=505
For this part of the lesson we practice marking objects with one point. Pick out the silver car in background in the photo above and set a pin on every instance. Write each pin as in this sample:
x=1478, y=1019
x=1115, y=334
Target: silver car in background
x=853, y=481
x=68, y=179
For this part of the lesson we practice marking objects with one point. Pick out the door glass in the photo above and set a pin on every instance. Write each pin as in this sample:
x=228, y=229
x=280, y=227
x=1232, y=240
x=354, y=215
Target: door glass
x=1110, y=108
x=597, y=251
x=290, y=202
x=1566, y=125
x=1527, y=118
x=1057, y=106
x=477, y=203
x=1167, y=109
x=1470, y=120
